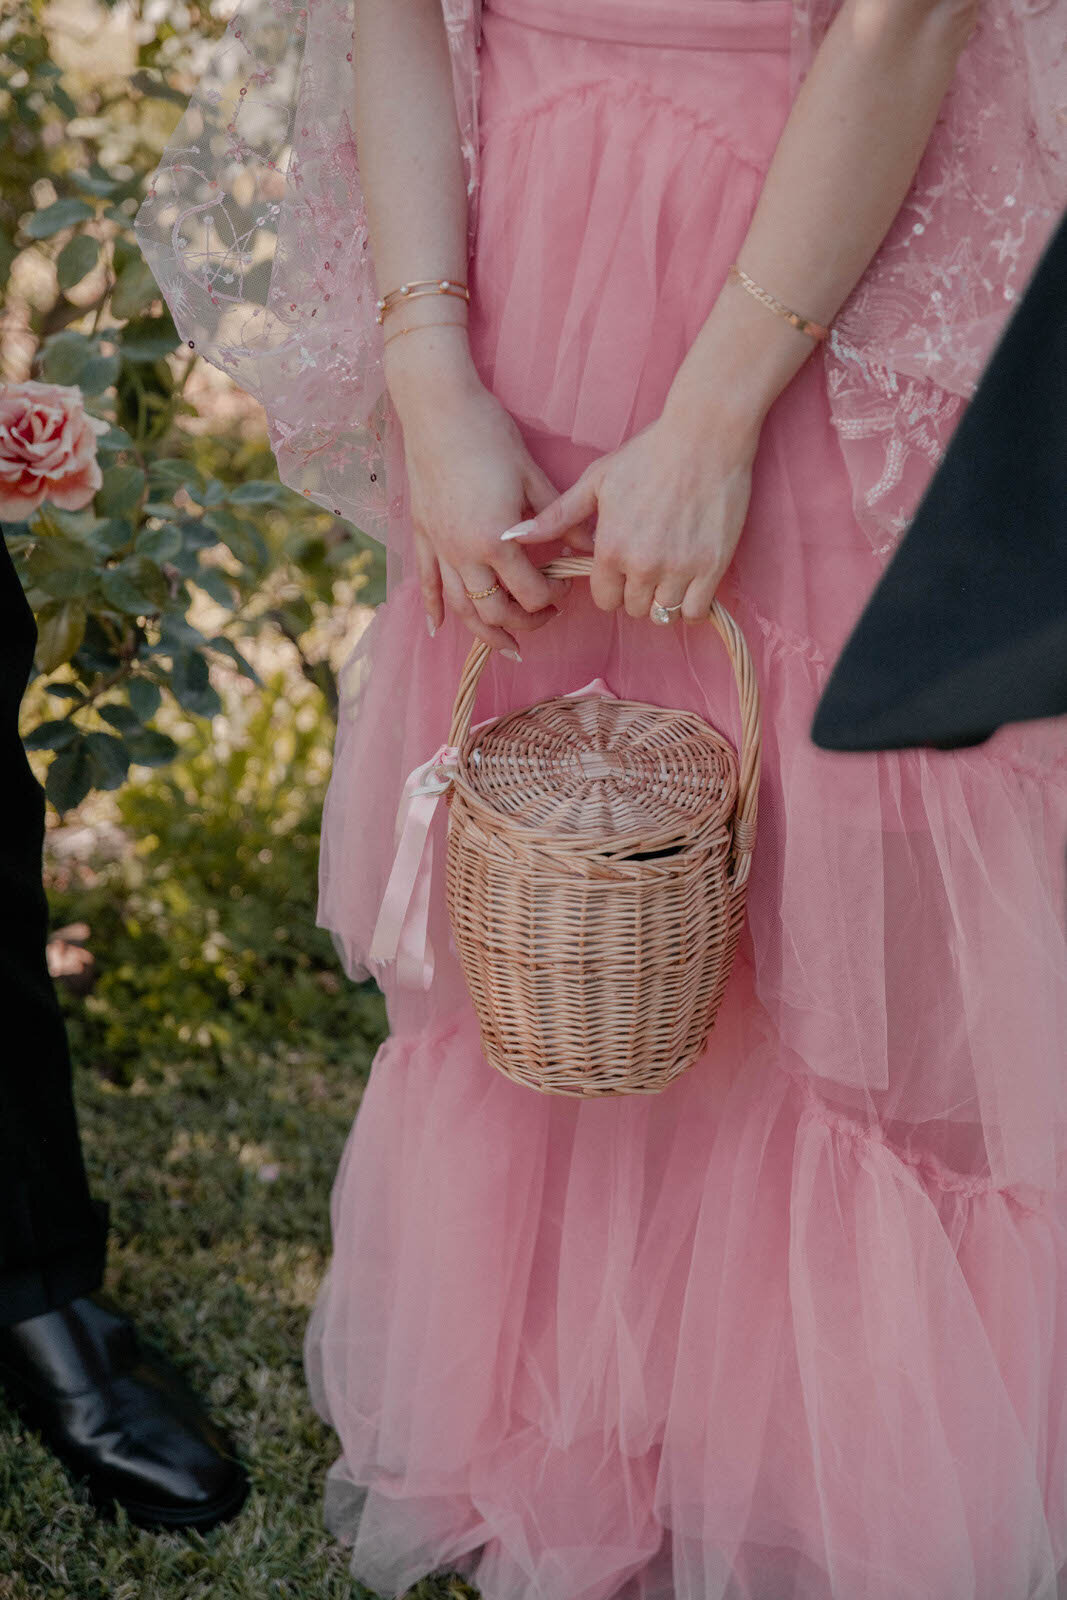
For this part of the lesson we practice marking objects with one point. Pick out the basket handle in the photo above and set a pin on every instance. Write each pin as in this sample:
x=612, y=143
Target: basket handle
x=747, y=694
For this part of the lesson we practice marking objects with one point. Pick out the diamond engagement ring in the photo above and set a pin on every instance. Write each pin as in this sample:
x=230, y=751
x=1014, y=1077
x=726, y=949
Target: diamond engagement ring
x=662, y=614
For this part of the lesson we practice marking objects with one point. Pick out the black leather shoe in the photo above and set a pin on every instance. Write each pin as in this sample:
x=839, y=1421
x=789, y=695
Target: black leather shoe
x=120, y=1417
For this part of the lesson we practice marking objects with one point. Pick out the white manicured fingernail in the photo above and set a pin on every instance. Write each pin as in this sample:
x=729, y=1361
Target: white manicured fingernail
x=511, y=655
x=519, y=529
x=431, y=627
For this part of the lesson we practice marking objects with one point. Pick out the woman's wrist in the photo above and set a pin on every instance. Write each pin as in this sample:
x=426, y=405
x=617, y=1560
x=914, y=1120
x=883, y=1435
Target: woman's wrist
x=738, y=365
x=429, y=367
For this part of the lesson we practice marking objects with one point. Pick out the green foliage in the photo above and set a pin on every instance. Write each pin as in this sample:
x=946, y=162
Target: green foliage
x=204, y=930
x=119, y=589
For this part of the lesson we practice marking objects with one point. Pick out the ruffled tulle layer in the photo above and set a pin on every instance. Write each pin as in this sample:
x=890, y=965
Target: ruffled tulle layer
x=793, y=1329
x=723, y=1342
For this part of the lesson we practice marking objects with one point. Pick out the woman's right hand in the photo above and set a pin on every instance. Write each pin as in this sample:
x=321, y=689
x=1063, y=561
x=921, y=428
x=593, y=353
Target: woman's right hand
x=470, y=476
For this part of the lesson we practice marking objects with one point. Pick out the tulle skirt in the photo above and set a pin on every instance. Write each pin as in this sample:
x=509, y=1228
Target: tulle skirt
x=796, y=1327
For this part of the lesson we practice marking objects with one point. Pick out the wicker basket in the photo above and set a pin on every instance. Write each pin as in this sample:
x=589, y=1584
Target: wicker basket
x=598, y=853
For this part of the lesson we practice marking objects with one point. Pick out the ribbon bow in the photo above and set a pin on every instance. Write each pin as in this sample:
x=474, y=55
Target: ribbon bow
x=402, y=931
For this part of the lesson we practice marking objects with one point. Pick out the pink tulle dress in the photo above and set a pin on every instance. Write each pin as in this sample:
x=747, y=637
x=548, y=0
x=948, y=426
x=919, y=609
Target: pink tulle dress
x=796, y=1327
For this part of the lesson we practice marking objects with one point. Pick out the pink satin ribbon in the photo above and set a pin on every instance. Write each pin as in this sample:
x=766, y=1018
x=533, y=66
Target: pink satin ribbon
x=402, y=931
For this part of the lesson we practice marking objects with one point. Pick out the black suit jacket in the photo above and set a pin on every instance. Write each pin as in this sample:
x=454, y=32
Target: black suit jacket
x=968, y=627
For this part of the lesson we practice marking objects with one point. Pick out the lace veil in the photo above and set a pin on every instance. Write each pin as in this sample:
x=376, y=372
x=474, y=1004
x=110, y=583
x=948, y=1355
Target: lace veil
x=255, y=229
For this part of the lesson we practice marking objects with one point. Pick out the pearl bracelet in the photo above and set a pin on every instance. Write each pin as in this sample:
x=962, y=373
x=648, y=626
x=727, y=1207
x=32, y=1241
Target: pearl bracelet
x=417, y=288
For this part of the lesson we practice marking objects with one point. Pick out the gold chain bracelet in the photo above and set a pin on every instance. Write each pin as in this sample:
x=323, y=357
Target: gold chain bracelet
x=418, y=328
x=814, y=330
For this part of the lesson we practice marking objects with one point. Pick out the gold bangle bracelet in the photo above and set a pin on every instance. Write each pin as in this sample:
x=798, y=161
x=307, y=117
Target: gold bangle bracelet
x=417, y=288
x=814, y=330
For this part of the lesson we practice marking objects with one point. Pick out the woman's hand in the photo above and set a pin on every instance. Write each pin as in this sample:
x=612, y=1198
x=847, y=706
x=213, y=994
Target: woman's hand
x=470, y=476
x=669, y=505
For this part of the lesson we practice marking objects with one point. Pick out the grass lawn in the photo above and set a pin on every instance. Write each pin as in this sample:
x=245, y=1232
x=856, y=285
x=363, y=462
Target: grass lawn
x=219, y=1191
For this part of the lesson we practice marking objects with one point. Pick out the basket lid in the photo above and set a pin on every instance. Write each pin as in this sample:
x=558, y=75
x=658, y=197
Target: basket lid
x=603, y=773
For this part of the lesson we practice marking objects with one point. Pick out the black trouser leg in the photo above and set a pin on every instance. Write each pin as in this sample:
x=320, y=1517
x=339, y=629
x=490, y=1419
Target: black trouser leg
x=52, y=1234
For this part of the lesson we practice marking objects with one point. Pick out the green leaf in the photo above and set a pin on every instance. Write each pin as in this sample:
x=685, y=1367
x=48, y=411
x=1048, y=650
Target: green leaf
x=124, y=250
x=135, y=289
x=111, y=759
x=120, y=491
x=97, y=651
x=159, y=544
x=64, y=691
x=197, y=534
x=54, y=556
x=77, y=257
x=210, y=493
x=122, y=212
x=149, y=339
x=99, y=373
x=295, y=614
x=226, y=647
x=77, y=523
x=241, y=537
x=149, y=748
x=123, y=595
x=60, y=214
x=145, y=698
x=95, y=181
x=114, y=439
x=109, y=535
x=177, y=633
x=55, y=735
x=62, y=99
x=157, y=88
x=191, y=686
x=60, y=630
x=135, y=586
x=171, y=473
x=185, y=562
x=70, y=776
x=67, y=583
x=215, y=583
x=259, y=492
x=63, y=356
x=120, y=716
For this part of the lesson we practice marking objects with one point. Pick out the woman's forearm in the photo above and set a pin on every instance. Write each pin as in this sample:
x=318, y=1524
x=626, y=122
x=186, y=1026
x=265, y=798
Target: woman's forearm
x=843, y=166
x=413, y=180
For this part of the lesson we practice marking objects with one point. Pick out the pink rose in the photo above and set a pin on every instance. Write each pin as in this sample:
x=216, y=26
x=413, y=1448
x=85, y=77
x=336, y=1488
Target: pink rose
x=47, y=449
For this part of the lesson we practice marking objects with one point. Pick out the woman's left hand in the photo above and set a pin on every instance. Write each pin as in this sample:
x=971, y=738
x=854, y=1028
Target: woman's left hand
x=670, y=506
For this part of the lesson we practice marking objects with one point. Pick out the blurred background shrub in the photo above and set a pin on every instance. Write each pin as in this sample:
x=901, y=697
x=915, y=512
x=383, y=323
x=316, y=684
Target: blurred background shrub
x=200, y=899
x=193, y=617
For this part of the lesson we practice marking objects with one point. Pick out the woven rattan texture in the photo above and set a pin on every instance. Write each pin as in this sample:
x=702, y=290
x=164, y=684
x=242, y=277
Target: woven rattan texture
x=598, y=852
x=603, y=775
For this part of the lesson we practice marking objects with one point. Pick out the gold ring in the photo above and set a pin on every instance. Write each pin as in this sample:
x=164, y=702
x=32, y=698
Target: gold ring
x=481, y=594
